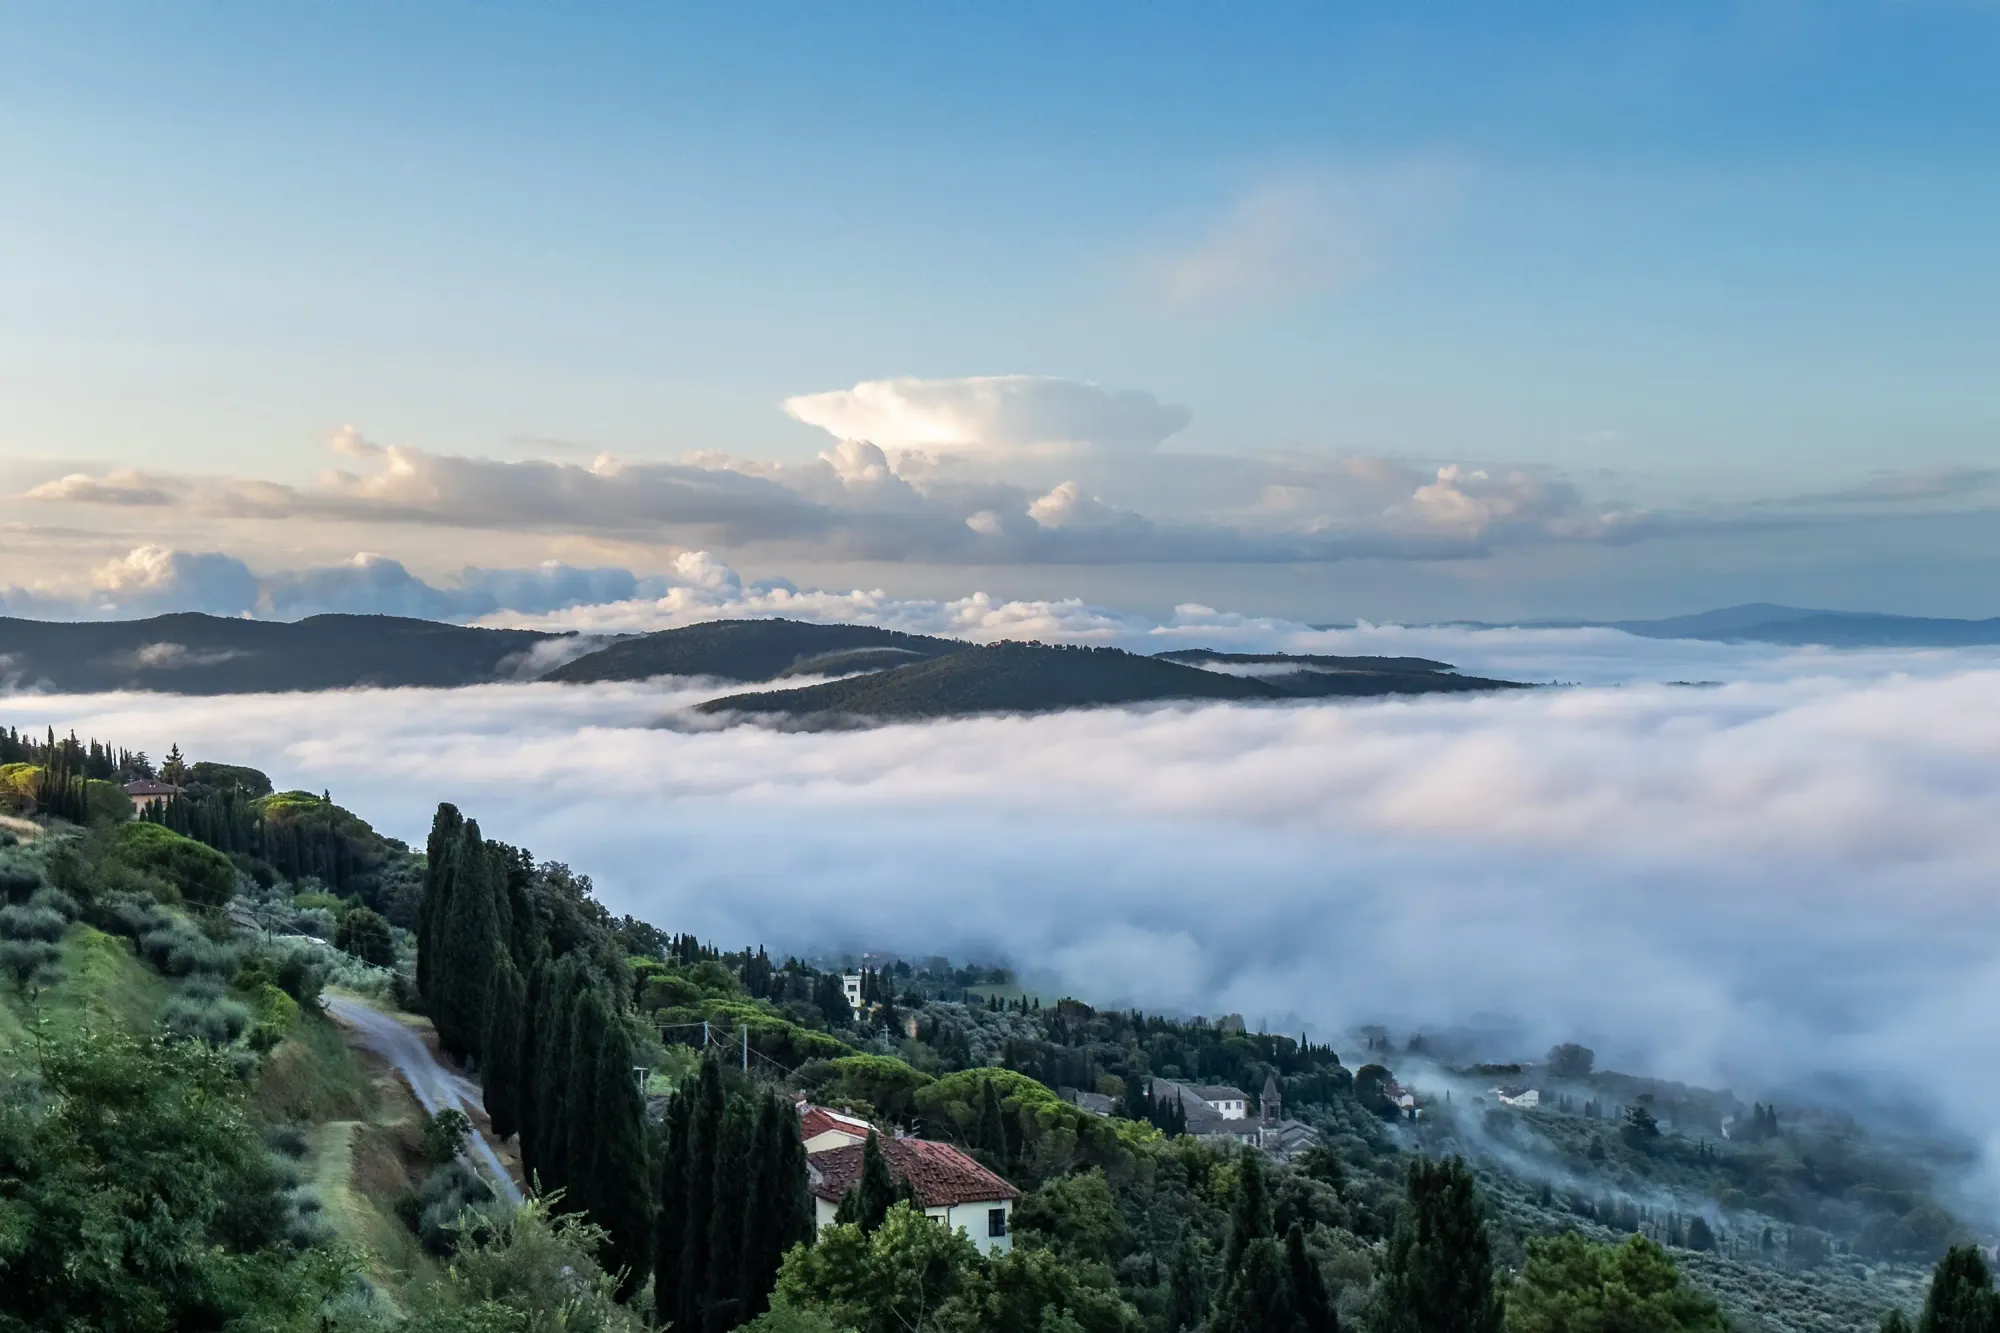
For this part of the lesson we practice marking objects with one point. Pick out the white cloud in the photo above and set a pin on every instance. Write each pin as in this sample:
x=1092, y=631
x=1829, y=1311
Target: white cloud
x=121, y=486
x=155, y=579
x=991, y=412
x=1783, y=877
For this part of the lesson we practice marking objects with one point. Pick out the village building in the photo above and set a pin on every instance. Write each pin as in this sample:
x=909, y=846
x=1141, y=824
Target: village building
x=147, y=793
x=951, y=1188
x=823, y=1129
x=850, y=986
x=1527, y=1099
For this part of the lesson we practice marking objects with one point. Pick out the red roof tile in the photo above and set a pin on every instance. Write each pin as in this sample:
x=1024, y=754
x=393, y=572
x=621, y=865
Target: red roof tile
x=817, y=1120
x=939, y=1175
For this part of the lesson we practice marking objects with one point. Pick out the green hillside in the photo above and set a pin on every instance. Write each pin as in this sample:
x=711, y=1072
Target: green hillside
x=746, y=650
x=1035, y=678
x=191, y=653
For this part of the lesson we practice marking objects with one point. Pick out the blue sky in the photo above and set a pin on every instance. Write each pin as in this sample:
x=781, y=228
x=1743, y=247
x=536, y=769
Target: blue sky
x=1693, y=261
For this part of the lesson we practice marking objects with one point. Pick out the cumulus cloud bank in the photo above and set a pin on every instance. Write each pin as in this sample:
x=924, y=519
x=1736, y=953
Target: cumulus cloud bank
x=1758, y=884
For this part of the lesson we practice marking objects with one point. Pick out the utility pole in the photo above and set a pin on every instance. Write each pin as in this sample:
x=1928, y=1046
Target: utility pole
x=704, y=1034
x=746, y=1048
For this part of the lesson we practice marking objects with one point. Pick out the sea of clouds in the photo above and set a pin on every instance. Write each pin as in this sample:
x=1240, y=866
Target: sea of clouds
x=1785, y=877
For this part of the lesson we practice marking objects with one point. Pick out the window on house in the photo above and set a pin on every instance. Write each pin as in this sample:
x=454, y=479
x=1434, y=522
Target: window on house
x=996, y=1222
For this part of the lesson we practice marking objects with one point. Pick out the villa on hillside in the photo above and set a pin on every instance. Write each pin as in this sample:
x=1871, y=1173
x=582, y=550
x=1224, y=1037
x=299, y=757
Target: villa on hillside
x=146, y=793
x=1220, y=1114
x=951, y=1188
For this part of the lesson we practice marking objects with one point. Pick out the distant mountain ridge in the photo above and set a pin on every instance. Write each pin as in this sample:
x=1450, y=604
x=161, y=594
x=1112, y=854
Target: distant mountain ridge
x=1037, y=678
x=192, y=653
x=1763, y=622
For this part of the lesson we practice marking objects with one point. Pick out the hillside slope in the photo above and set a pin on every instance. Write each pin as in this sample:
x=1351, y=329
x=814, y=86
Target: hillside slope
x=746, y=650
x=190, y=653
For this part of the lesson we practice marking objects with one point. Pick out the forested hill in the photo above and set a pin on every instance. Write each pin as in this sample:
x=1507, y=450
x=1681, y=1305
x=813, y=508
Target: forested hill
x=1029, y=678
x=191, y=653
x=752, y=650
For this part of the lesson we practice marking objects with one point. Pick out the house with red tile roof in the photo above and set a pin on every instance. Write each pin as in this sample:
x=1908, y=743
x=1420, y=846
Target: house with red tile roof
x=952, y=1189
x=823, y=1129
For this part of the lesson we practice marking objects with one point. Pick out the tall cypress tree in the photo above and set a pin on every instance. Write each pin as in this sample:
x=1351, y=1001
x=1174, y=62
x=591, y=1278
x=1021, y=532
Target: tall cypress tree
x=439, y=853
x=875, y=1193
x=529, y=1063
x=552, y=1076
x=1187, y=1284
x=500, y=1073
x=780, y=1211
x=1438, y=1272
x=1961, y=1298
x=1259, y=1297
x=588, y=1022
x=469, y=948
x=671, y=1221
x=622, y=1199
x=1250, y=1215
x=726, y=1220
x=1312, y=1306
x=704, y=1135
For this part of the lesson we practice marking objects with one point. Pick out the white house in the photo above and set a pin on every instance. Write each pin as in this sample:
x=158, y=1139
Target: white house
x=952, y=1189
x=146, y=793
x=1525, y=1098
x=850, y=985
x=1220, y=1099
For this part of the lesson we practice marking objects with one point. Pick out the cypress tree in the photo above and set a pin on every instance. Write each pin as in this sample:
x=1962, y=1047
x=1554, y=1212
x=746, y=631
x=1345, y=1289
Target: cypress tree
x=1438, y=1272
x=1311, y=1303
x=469, y=947
x=671, y=1220
x=438, y=854
x=588, y=1021
x=875, y=1193
x=992, y=1132
x=623, y=1204
x=1961, y=1298
x=1187, y=1284
x=529, y=1077
x=780, y=1212
x=500, y=1072
x=726, y=1220
x=1249, y=1216
x=704, y=1133
x=552, y=1076
x=1258, y=1299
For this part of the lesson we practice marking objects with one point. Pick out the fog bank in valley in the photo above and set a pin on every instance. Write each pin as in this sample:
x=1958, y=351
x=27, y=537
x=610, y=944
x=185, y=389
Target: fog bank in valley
x=1784, y=878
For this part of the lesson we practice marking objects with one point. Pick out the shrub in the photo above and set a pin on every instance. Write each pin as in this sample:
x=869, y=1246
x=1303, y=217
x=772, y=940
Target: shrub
x=446, y=1207
x=367, y=936
x=55, y=900
x=203, y=1011
x=444, y=1135
x=31, y=923
x=28, y=961
x=18, y=881
x=198, y=873
x=176, y=949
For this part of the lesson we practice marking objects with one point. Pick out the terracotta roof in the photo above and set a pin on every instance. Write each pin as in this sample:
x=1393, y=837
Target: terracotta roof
x=939, y=1175
x=817, y=1120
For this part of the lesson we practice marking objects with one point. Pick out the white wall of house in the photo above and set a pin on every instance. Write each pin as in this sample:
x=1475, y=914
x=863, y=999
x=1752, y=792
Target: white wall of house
x=1230, y=1108
x=974, y=1219
x=850, y=984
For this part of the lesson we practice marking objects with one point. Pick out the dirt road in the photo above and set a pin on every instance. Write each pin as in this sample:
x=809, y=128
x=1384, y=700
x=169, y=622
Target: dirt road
x=435, y=1086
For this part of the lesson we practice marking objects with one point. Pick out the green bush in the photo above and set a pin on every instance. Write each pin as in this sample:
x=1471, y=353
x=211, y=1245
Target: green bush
x=202, y=1010
x=55, y=900
x=31, y=923
x=197, y=873
x=29, y=962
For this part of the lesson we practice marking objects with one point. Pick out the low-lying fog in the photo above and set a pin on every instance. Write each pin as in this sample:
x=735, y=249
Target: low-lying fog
x=1792, y=875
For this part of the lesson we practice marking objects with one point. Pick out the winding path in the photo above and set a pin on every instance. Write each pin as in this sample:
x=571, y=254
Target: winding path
x=435, y=1086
